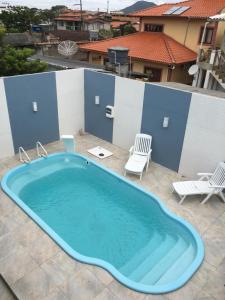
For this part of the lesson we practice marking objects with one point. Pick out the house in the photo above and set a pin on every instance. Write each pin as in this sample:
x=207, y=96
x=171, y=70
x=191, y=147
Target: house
x=120, y=17
x=209, y=71
x=91, y=21
x=155, y=63
x=170, y=35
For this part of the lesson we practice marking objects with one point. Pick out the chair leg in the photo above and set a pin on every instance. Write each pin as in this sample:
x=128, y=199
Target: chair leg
x=182, y=199
x=222, y=196
x=206, y=198
x=141, y=176
x=147, y=164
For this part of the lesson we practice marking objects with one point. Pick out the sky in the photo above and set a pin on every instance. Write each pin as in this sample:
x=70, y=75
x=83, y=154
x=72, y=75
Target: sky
x=87, y=4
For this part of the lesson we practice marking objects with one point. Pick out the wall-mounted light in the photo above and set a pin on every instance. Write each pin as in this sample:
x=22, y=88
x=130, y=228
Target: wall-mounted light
x=97, y=100
x=35, y=106
x=166, y=122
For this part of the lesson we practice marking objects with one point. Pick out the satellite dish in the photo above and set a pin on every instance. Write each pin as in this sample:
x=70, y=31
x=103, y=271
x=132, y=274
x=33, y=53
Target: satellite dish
x=67, y=48
x=193, y=70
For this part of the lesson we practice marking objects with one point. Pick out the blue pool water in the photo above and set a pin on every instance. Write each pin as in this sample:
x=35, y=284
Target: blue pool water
x=99, y=218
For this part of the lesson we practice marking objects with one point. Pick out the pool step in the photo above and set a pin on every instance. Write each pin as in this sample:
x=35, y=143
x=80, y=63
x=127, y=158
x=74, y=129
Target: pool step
x=165, y=262
x=161, y=250
x=141, y=255
x=180, y=265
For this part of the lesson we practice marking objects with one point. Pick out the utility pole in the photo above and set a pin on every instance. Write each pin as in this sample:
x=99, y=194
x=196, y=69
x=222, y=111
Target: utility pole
x=107, y=6
x=81, y=14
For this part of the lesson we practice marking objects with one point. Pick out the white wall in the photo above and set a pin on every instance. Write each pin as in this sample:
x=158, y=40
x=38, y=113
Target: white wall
x=70, y=95
x=129, y=96
x=6, y=143
x=204, y=142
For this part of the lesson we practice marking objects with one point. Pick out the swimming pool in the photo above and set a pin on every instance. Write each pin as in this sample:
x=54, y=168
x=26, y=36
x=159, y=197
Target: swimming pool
x=98, y=217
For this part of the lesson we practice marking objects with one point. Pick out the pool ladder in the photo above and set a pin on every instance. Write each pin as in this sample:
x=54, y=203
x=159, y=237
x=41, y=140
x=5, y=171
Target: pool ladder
x=41, y=152
x=24, y=157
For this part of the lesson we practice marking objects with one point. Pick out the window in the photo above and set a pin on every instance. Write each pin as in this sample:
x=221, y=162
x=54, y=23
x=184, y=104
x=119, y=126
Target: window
x=61, y=23
x=154, y=27
x=208, y=35
x=154, y=74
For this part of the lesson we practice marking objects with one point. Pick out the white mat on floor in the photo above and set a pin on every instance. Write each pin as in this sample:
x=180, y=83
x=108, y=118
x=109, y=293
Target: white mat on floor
x=100, y=152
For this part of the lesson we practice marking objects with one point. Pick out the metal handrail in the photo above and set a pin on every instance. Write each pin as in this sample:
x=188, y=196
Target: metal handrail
x=219, y=62
x=23, y=152
x=39, y=145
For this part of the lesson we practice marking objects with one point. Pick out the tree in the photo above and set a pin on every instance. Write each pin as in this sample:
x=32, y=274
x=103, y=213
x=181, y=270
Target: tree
x=124, y=30
x=105, y=34
x=57, y=9
x=2, y=33
x=15, y=62
x=19, y=18
x=128, y=29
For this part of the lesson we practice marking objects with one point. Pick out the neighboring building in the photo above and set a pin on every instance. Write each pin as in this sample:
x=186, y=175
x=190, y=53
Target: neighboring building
x=118, y=24
x=184, y=21
x=92, y=21
x=120, y=17
x=170, y=37
x=155, y=63
x=210, y=70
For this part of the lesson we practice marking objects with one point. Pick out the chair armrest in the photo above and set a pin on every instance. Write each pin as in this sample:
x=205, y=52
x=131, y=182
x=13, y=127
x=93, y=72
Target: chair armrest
x=150, y=151
x=131, y=150
x=204, y=176
x=217, y=186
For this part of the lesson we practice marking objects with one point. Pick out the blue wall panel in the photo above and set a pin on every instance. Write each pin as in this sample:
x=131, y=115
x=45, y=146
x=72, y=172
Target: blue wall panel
x=167, y=143
x=28, y=126
x=102, y=85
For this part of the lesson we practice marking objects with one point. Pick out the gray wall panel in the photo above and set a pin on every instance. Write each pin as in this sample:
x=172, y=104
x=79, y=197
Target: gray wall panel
x=160, y=102
x=102, y=85
x=28, y=126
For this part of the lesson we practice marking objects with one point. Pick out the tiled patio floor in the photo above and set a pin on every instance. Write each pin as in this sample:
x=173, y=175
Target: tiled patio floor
x=36, y=268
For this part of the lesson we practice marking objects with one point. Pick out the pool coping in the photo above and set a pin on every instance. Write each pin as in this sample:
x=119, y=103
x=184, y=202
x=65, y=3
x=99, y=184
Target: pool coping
x=101, y=263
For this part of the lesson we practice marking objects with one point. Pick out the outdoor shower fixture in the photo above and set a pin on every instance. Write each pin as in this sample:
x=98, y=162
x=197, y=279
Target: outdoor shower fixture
x=166, y=122
x=35, y=106
x=97, y=100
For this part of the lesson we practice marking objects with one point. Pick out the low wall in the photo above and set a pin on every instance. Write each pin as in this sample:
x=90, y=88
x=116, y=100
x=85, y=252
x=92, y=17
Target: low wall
x=194, y=140
x=60, y=108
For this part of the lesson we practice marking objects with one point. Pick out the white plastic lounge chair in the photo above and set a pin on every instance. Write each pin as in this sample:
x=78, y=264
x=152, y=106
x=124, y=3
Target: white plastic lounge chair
x=140, y=155
x=208, y=184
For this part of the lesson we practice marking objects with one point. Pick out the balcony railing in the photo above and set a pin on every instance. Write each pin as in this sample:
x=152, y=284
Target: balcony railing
x=214, y=57
x=204, y=55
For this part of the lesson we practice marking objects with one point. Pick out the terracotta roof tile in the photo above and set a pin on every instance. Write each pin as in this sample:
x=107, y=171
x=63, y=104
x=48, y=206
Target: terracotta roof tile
x=150, y=46
x=198, y=9
x=117, y=24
